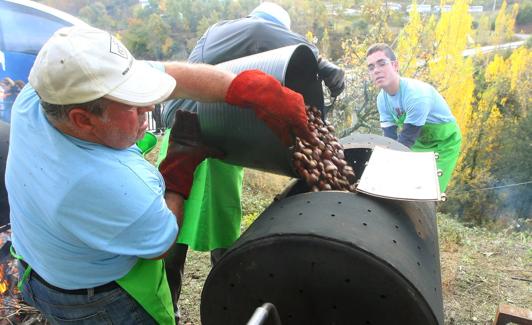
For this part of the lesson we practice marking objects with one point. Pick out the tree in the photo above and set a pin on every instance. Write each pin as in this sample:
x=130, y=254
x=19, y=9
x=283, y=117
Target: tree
x=356, y=111
x=96, y=15
x=449, y=71
x=505, y=24
x=496, y=152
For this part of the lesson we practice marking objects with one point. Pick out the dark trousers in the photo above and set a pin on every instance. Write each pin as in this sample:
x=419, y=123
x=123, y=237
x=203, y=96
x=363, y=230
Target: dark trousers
x=175, y=267
x=157, y=117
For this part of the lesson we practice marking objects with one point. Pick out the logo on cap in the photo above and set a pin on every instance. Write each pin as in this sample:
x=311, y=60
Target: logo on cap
x=117, y=48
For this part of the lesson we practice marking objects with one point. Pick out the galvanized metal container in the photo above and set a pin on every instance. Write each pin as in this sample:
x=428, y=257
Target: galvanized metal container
x=332, y=258
x=244, y=139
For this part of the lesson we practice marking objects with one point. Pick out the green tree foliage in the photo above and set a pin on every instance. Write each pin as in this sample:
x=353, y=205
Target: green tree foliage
x=524, y=16
x=96, y=15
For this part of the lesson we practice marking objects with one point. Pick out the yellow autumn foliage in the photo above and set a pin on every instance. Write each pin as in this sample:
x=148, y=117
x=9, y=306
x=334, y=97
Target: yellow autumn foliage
x=409, y=49
x=449, y=70
x=505, y=24
x=495, y=69
x=520, y=69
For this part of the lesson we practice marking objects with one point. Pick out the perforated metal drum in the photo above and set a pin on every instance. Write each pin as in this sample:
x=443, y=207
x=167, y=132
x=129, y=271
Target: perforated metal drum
x=332, y=258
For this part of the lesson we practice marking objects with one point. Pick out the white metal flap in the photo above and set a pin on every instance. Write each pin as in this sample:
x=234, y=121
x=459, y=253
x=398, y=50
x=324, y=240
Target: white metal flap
x=401, y=175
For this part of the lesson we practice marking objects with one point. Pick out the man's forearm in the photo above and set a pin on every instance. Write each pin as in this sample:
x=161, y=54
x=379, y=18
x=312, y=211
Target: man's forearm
x=409, y=134
x=390, y=132
x=175, y=203
x=201, y=82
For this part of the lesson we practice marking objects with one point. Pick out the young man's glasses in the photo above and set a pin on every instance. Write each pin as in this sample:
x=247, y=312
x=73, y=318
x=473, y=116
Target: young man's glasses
x=380, y=63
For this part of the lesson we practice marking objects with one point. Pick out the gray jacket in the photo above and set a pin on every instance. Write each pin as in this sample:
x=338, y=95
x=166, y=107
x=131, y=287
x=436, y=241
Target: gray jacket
x=233, y=39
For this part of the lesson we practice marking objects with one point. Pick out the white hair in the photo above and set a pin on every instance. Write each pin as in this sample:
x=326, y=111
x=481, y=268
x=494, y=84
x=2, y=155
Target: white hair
x=274, y=11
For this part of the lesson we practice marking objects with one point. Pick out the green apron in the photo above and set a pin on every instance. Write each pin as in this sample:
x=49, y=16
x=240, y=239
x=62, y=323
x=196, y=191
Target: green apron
x=444, y=139
x=212, y=212
x=145, y=282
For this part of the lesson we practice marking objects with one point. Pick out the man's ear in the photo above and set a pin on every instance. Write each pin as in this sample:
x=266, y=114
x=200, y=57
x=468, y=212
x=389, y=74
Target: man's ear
x=81, y=119
x=395, y=65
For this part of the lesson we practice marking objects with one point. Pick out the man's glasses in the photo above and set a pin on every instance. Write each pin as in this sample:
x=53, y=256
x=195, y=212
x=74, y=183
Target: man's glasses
x=380, y=63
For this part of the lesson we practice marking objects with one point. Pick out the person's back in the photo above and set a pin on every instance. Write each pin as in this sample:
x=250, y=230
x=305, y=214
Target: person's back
x=233, y=39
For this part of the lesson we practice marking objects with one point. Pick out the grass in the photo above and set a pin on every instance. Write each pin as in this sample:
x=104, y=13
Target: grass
x=480, y=268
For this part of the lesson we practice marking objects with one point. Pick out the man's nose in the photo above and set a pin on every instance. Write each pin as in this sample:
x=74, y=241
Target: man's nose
x=378, y=69
x=146, y=109
x=376, y=72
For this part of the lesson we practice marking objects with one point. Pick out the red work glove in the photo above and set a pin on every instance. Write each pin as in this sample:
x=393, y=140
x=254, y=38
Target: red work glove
x=185, y=152
x=282, y=109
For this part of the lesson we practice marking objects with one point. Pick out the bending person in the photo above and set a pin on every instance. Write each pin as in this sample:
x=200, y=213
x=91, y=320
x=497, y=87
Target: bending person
x=415, y=107
x=213, y=210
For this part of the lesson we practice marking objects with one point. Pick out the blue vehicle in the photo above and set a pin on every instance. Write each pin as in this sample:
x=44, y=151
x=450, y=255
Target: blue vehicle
x=24, y=28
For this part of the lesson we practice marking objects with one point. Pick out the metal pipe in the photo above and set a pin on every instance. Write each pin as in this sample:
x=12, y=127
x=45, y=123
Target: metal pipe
x=260, y=316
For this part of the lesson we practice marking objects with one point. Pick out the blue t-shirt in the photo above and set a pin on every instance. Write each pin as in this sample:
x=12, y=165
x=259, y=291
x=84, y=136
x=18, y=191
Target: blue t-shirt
x=81, y=213
x=421, y=103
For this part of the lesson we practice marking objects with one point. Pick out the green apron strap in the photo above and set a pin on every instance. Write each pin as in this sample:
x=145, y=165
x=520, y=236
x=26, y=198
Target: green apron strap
x=444, y=139
x=164, y=147
x=27, y=271
x=147, y=143
x=147, y=284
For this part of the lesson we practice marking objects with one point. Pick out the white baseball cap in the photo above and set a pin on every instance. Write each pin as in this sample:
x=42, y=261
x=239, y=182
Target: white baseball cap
x=80, y=64
x=274, y=11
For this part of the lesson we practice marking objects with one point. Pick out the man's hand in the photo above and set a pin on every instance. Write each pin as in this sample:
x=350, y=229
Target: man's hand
x=333, y=77
x=185, y=152
x=282, y=109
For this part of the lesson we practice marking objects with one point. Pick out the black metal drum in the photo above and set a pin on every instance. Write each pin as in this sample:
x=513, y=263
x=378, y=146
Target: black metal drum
x=332, y=258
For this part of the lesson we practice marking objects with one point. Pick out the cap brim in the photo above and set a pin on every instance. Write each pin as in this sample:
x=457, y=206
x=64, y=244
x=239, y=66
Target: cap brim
x=146, y=86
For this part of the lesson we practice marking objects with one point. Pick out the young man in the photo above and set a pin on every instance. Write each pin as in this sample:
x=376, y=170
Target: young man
x=88, y=213
x=417, y=108
x=212, y=222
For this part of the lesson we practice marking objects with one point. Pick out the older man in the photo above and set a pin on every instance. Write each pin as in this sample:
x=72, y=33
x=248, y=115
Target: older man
x=88, y=213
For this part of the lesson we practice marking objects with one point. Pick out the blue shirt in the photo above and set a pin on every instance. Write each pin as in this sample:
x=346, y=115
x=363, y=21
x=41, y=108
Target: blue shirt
x=421, y=103
x=81, y=213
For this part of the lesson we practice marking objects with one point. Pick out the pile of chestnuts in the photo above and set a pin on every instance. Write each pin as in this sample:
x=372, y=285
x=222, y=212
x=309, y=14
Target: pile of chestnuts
x=322, y=164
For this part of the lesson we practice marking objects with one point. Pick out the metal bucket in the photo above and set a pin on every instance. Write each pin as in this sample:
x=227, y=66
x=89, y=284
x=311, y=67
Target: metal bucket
x=332, y=258
x=4, y=146
x=246, y=140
